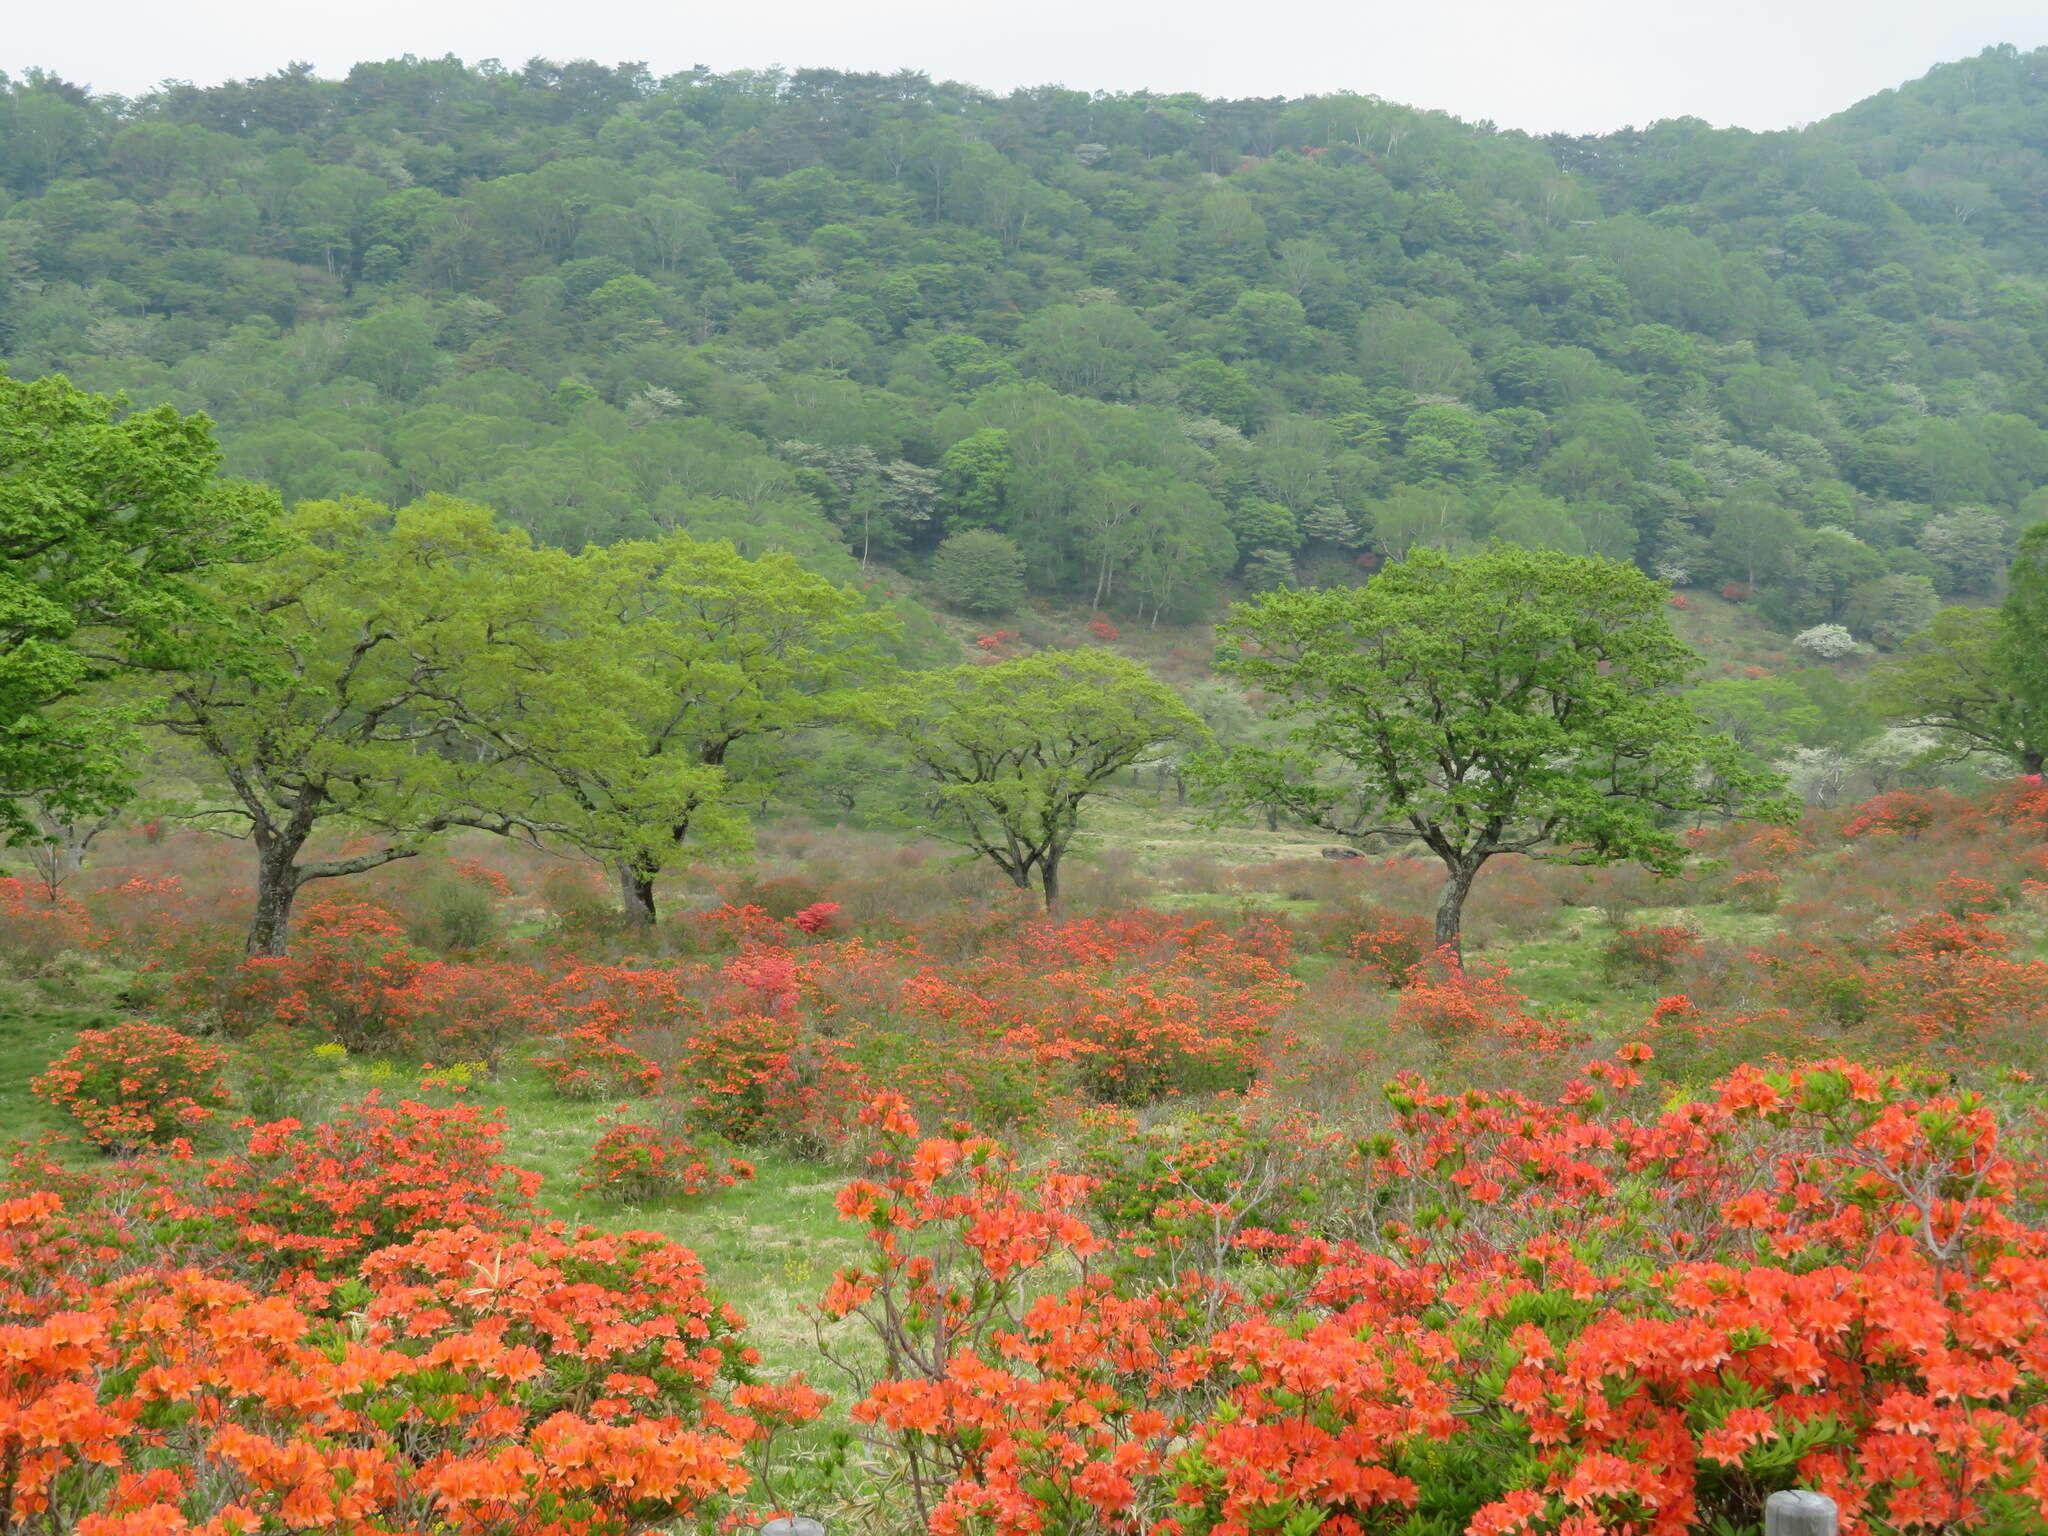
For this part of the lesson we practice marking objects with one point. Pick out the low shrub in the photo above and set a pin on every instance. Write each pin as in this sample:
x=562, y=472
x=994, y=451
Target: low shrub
x=638, y=1162
x=35, y=928
x=322, y=1197
x=1650, y=954
x=1392, y=947
x=135, y=1085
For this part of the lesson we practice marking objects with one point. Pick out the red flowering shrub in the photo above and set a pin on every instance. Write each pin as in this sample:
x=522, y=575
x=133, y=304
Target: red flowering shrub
x=543, y=1383
x=1178, y=1194
x=477, y=873
x=1756, y=890
x=36, y=928
x=1598, y=1313
x=340, y=980
x=451, y=1012
x=1102, y=630
x=1966, y=896
x=1135, y=1005
x=741, y=1078
x=637, y=1161
x=1393, y=947
x=1647, y=954
x=819, y=917
x=737, y=926
x=142, y=915
x=1474, y=1010
x=135, y=1085
x=1901, y=813
x=587, y=1063
x=321, y=1197
x=2022, y=803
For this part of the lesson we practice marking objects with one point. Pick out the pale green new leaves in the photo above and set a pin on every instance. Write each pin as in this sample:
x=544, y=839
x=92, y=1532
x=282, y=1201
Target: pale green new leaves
x=2023, y=653
x=1958, y=676
x=340, y=705
x=1511, y=700
x=346, y=667
x=106, y=521
x=1012, y=750
x=626, y=692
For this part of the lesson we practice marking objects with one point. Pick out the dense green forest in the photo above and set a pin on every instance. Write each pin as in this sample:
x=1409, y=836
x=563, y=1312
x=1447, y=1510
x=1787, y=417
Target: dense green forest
x=1168, y=347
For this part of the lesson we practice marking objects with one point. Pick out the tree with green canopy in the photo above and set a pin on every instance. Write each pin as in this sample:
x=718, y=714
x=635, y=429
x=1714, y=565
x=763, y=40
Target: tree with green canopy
x=1506, y=701
x=341, y=708
x=2023, y=647
x=626, y=696
x=1011, y=751
x=109, y=521
x=1954, y=677
x=979, y=570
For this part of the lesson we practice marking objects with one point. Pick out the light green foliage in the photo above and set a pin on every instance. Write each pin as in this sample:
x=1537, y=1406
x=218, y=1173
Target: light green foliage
x=604, y=303
x=1954, y=677
x=2023, y=647
x=108, y=523
x=338, y=706
x=973, y=474
x=629, y=699
x=979, y=570
x=1891, y=607
x=1508, y=701
x=1011, y=751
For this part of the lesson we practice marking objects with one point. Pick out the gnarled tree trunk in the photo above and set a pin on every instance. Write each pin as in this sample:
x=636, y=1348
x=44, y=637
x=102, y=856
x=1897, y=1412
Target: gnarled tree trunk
x=636, y=893
x=1450, y=904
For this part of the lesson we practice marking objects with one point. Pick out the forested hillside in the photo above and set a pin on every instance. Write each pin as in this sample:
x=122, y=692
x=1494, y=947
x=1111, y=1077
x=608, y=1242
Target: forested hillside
x=1168, y=346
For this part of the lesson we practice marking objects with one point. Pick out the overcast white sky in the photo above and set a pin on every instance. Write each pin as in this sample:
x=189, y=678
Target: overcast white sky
x=1574, y=65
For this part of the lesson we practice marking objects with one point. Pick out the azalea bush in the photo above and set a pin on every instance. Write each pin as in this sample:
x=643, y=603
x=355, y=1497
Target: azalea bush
x=1650, y=954
x=634, y=1160
x=543, y=1381
x=324, y=1196
x=37, y=925
x=1596, y=1312
x=1392, y=947
x=131, y=1086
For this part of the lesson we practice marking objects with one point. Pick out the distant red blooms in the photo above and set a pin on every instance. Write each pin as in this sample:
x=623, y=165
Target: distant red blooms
x=1102, y=630
x=35, y=929
x=1648, y=954
x=817, y=918
x=1901, y=813
x=1392, y=946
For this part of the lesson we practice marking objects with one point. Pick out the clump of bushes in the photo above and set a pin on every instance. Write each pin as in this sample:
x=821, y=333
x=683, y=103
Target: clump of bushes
x=638, y=1162
x=138, y=1085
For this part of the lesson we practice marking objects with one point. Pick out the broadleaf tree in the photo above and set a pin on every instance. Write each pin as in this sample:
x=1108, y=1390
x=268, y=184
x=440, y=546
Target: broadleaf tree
x=2023, y=648
x=339, y=714
x=629, y=698
x=1961, y=678
x=1011, y=751
x=1505, y=701
x=108, y=520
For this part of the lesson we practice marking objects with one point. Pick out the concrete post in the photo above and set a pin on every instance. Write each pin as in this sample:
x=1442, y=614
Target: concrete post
x=1798, y=1512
